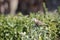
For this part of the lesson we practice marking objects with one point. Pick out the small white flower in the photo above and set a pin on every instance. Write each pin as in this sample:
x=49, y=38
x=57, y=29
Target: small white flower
x=27, y=36
x=0, y=23
x=7, y=34
x=41, y=28
x=46, y=37
x=46, y=28
x=59, y=31
x=23, y=33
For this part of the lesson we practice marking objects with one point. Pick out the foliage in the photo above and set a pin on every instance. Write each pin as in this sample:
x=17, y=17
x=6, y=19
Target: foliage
x=21, y=27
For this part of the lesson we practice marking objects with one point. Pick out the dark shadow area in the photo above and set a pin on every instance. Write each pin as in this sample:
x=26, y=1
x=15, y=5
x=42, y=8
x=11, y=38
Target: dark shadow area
x=27, y=6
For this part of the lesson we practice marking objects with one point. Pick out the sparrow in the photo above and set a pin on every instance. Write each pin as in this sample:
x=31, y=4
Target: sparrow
x=38, y=22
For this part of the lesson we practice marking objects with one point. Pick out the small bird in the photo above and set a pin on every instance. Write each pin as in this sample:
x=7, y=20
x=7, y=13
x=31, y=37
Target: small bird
x=38, y=22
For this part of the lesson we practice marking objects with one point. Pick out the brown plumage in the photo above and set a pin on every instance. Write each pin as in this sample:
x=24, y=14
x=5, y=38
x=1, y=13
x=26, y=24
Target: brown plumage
x=38, y=22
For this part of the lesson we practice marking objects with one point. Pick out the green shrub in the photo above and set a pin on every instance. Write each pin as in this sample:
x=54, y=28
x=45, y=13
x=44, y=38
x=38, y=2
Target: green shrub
x=21, y=27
